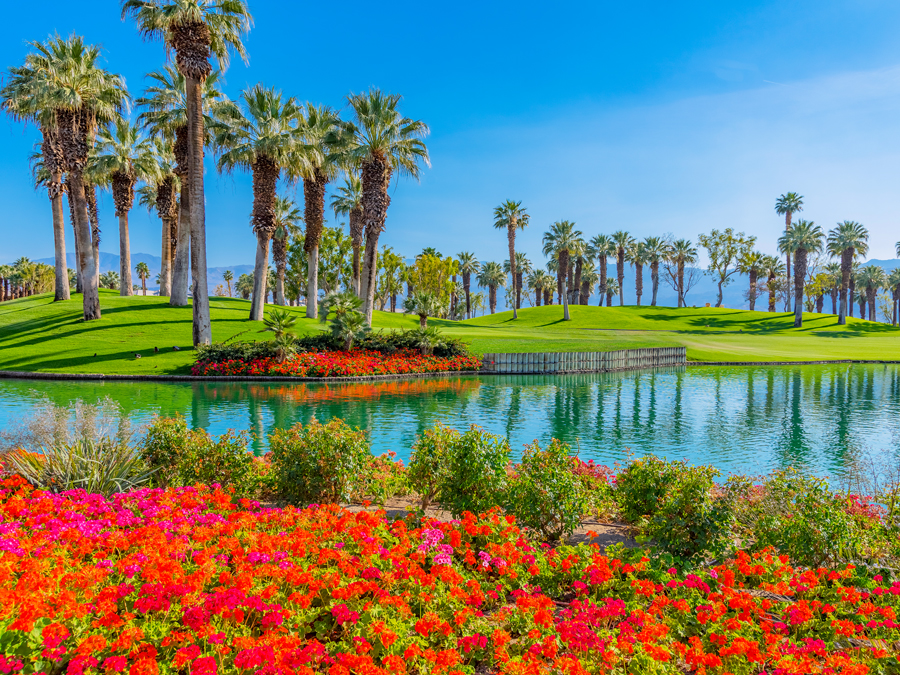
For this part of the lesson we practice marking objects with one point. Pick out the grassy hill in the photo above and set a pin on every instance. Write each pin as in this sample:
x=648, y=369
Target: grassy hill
x=37, y=334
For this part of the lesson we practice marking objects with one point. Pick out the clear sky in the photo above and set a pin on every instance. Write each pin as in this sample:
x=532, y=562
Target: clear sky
x=653, y=117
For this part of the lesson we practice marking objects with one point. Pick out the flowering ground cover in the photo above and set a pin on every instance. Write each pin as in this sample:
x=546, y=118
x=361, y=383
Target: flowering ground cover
x=340, y=364
x=188, y=581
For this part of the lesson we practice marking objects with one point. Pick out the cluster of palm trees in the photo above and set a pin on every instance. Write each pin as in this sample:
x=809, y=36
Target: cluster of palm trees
x=24, y=278
x=89, y=143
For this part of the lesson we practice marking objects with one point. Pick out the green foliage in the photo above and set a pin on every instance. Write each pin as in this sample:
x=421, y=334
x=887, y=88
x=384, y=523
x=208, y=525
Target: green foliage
x=317, y=462
x=101, y=465
x=545, y=493
x=642, y=486
x=464, y=472
x=220, y=352
x=182, y=456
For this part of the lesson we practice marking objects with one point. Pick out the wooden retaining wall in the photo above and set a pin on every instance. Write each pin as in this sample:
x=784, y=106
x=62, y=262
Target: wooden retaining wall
x=585, y=362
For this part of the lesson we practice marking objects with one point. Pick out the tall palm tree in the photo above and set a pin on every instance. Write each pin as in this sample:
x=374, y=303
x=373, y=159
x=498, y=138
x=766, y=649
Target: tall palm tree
x=871, y=279
x=636, y=254
x=681, y=253
x=787, y=205
x=600, y=248
x=164, y=114
x=315, y=162
x=657, y=251
x=773, y=268
x=848, y=241
x=803, y=238
x=143, y=273
x=522, y=267
x=195, y=30
x=228, y=277
x=287, y=225
x=24, y=98
x=510, y=216
x=160, y=194
x=559, y=241
x=623, y=242
x=468, y=265
x=260, y=139
x=348, y=201
x=492, y=277
x=893, y=283
x=750, y=263
x=125, y=156
x=380, y=141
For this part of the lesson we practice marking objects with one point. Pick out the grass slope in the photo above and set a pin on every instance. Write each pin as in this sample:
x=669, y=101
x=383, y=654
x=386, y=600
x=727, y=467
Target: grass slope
x=37, y=334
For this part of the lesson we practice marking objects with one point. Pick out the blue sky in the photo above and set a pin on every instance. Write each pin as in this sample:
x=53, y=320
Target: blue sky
x=653, y=117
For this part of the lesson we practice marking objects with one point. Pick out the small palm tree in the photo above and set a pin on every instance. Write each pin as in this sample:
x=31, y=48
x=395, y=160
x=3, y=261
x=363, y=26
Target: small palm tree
x=623, y=242
x=600, y=248
x=143, y=273
x=656, y=250
x=636, y=254
x=510, y=216
x=283, y=324
x=802, y=239
x=287, y=225
x=870, y=280
x=347, y=322
x=681, y=253
x=751, y=264
x=787, y=205
x=423, y=304
x=832, y=271
x=848, y=241
x=492, y=277
x=468, y=265
x=260, y=139
x=244, y=286
x=348, y=201
x=228, y=277
x=590, y=276
x=559, y=242
x=109, y=280
x=612, y=289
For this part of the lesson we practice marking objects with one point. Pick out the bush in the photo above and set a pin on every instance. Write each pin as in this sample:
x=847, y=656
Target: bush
x=387, y=478
x=545, y=493
x=327, y=463
x=676, y=506
x=464, y=472
x=183, y=456
x=599, y=484
x=99, y=466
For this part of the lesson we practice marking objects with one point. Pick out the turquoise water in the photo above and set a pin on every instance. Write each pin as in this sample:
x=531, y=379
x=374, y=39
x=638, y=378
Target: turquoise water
x=747, y=419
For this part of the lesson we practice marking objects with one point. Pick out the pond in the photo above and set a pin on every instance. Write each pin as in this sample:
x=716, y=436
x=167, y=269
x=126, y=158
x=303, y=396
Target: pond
x=747, y=419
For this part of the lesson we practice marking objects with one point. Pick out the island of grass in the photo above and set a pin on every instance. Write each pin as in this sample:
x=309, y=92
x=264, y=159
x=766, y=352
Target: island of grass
x=38, y=335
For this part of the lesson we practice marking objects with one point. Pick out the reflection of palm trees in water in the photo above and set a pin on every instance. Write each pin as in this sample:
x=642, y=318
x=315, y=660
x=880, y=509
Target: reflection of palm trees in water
x=793, y=446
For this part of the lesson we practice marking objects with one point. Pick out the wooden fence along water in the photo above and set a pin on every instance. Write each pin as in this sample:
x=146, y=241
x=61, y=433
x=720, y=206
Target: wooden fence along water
x=585, y=362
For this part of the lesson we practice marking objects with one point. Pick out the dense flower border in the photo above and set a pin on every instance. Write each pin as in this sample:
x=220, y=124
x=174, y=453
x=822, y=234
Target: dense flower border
x=186, y=581
x=340, y=364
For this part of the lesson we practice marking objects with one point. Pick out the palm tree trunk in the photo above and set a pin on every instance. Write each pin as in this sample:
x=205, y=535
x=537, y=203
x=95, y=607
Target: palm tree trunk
x=680, y=284
x=125, y=284
x=312, y=283
x=79, y=284
x=371, y=275
x=376, y=177
x=787, y=227
x=620, y=273
x=467, y=280
x=165, y=267
x=279, y=284
x=260, y=274
x=771, y=279
x=862, y=308
x=90, y=194
x=181, y=270
x=846, y=262
x=61, y=291
x=564, y=269
x=492, y=298
x=520, y=280
x=511, y=240
x=834, y=295
x=576, y=282
x=851, y=292
x=86, y=261
x=548, y=297
x=654, y=280
x=638, y=282
x=799, y=276
x=602, y=287
x=559, y=284
x=202, y=329
x=870, y=296
x=537, y=297
x=753, y=277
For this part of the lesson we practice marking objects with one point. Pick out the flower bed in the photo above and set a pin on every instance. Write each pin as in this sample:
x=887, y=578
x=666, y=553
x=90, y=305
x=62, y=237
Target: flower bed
x=187, y=581
x=340, y=364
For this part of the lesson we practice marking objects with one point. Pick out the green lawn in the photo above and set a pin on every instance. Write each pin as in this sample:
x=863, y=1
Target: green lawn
x=37, y=334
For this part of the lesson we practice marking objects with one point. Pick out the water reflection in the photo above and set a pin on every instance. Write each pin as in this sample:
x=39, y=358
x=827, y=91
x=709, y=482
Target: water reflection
x=747, y=419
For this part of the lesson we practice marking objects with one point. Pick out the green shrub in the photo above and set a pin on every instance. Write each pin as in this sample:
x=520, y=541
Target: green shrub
x=326, y=463
x=464, y=472
x=96, y=465
x=676, y=505
x=545, y=493
x=221, y=352
x=387, y=478
x=183, y=456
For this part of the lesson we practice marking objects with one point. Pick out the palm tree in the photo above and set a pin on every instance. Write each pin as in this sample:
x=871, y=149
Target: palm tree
x=244, y=286
x=847, y=241
x=261, y=139
x=681, y=253
x=612, y=288
x=491, y=276
x=66, y=83
x=195, y=30
x=143, y=273
x=589, y=277
x=802, y=239
x=348, y=201
x=751, y=264
x=860, y=297
x=656, y=250
x=124, y=156
x=559, y=242
x=601, y=247
x=573, y=278
x=160, y=194
x=510, y=216
x=468, y=265
x=522, y=267
x=287, y=225
x=165, y=116
x=110, y=280
x=893, y=283
x=833, y=272
x=787, y=205
x=637, y=256
x=22, y=99
x=623, y=242
x=228, y=277
x=424, y=304
x=536, y=282
x=380, y=141
x=871, y=279
x=773, y=268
